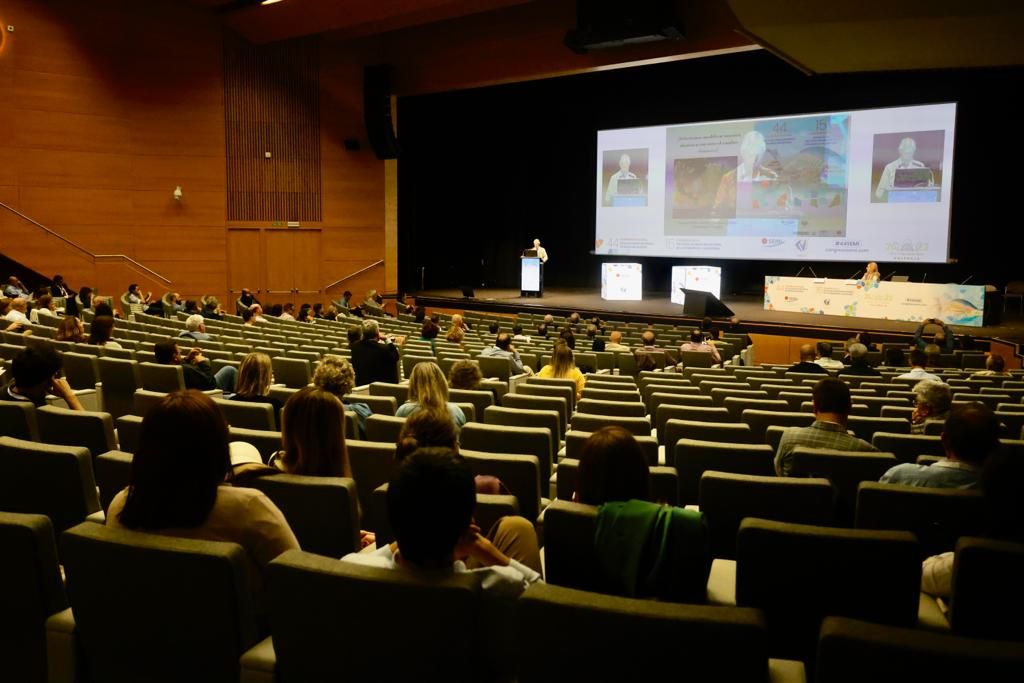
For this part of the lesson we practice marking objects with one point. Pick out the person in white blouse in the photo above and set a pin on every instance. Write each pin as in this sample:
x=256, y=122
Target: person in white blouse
x=871, y=273
x=622, y=174
x=542, y=253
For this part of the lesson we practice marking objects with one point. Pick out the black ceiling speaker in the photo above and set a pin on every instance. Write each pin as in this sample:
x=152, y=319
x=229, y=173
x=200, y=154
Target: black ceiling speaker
x=601, y=25
x=380, y=128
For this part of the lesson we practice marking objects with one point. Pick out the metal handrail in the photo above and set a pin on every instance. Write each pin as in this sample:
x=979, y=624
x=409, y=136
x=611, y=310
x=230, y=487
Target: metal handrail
x=352, y=275
x=82, y=249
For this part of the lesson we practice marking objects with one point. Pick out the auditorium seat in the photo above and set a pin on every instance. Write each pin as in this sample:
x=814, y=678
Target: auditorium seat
x=481, y=400
x=520, y=417
x=688, y=413
x=489, y=438
x=18, y=420
x=56, y=481
x=119, y=380
x=294, y=373
x=698, y=642
x=400, y=392
x=937, y=516
x=80, y=370
x=988, y=599
x=761, y=420
x=693, y=457
x=557, y=404
x=574, y=441
x=799, y=574
x=719, y=432
x=611, y=395
x=373, y=463
x=657, y=399
x=31, y=590
x=664, y=482
x=737, y=405
x=906, y=447
x=248, y=415
x=521, y=474
x=853, y=651
x=623, y=380
x=561, y=389
x=719, y=394
x=161, y=378
x=866, y=427
x=844, y=469
x=187, y=602
x=584, y=422
x=384, y=428
x=85, y=428
x=322, y=511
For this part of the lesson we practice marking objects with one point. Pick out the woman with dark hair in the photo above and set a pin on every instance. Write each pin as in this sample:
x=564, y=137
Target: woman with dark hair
x=71, y=329
x=305, y=314
x=612, y=468
x=178, y=484
x=101, y=331
x=313, y=435
x=428, y=333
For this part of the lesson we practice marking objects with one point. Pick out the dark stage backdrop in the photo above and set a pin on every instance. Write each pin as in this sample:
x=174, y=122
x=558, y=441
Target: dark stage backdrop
x=484, y=171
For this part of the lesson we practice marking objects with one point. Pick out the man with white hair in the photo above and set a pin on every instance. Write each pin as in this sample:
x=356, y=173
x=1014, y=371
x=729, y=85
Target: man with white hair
x=753, y=148
x=542, y=253
x=195, y=328
x=622, y=174
x=932, y=402
x=859, y=362
x=907, y=148
x=17, y=312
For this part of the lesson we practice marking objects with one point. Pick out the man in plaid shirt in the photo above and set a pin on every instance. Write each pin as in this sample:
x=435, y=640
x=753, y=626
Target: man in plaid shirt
x=832, y=407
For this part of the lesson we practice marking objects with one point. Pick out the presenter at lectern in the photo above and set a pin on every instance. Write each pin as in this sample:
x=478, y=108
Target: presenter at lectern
x=539, y=251
x=871, y=273
x=907, y=148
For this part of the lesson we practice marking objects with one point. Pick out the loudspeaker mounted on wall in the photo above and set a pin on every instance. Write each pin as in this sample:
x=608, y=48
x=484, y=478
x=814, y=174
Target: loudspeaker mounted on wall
x=380, y=128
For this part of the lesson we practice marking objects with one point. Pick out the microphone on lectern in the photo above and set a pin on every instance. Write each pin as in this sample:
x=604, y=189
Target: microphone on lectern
x=854, y=275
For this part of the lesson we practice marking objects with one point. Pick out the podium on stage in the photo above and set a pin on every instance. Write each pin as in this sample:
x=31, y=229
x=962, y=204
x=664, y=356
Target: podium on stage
x=531, y=274
x=700, y=304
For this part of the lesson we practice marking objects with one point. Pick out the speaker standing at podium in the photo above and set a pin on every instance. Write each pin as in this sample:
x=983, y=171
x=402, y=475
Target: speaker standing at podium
x=540, y=254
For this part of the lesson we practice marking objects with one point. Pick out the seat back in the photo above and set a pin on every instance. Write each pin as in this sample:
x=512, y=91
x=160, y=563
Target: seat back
x=384, y=428
x=760, y=420
x=143, y=400
x=693, y=457
x=852, y=651
x=726, y=499
x=315, y=638
x=519, y=417
x=481, y=400
x=373, y=464
x=710, y=643
x=30, y=591
x=86, y=428
x=496, y=367
x=738, y=405
x=799, y=574
x=987, y=595
x=81, y=370
x=188, y=603
x=529, y=402
x=638, y=426
x=120, y=379
x=162, y=378
x=724, y=432
x=574, y=446
x=294, y=373
x=520, y=473
x=56, y=481
x=380, y=405
x=570, y=558
x=618, y=408
x=18, y=420
x=866, y=427
x=113, y=475
x=844, y=469
x=566, y=393
x=320, y=510
x=595, y=389
x=703, y=413
x=491, y=438
x=937, y=516
x=906, y=447
x=247, y=415
x=400, y=392
x=129, y=431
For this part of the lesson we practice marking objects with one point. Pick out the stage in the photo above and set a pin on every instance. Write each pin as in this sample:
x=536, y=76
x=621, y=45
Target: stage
x=657, y=307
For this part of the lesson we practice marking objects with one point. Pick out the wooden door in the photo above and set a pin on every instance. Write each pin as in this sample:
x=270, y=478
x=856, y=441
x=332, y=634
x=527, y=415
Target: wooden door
x=306, y=254
x=245, y=264
x=280, y=263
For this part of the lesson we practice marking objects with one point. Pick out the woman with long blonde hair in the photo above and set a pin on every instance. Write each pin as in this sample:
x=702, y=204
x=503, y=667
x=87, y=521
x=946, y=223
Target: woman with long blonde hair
x=562, y=366
x=255, y=375
x=428, y=390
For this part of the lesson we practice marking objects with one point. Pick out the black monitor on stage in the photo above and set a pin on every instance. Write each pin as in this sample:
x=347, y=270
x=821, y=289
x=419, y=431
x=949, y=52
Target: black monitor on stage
x=532, y=253
x=700, y=304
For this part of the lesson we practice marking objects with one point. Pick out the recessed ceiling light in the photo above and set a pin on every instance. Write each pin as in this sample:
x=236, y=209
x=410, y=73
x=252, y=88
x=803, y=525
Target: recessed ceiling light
x=269, y=2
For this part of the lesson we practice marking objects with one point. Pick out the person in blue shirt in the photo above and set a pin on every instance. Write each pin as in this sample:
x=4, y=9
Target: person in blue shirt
x=943, y=338
x=428, y=390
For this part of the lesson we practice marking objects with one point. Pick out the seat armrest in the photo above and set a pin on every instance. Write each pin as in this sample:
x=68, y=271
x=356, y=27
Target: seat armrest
x=258, y=663
x=786, y=671
x=61, y=648
x=97, y=517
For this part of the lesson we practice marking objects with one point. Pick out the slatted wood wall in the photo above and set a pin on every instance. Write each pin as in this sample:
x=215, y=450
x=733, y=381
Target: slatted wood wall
x=272, y=105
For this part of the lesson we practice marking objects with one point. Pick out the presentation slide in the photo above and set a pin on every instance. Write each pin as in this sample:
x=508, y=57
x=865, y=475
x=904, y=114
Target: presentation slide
x=622, y=282
x=862, y=185
x=699, y=278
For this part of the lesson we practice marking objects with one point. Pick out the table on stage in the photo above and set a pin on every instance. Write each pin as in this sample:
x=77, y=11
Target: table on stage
x=911, y=301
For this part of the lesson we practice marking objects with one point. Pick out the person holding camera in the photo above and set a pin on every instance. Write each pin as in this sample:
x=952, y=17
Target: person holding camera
x=700, y=342
x=375, y=359
x=943, y=338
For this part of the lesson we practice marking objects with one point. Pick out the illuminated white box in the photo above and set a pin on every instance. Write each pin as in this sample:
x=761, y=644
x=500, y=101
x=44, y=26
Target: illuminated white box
x=622, y=281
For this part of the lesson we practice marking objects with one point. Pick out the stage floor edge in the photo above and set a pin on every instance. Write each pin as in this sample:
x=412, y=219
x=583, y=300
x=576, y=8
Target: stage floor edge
x=658, y=308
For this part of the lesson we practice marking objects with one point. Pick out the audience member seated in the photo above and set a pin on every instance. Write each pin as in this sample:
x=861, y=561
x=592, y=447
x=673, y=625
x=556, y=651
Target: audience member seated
x=102, y=308
x=574, y=320
x=832, y=407
x=494, y=328
x=101, y=330
x=59, y=288
x=335, y=375
x=995, y=366
x=807, y=364
x=428, y=390
x=374, y=359
x=542, y=330
x=465, y=374
x=354, y=333
x=932, y=403
x=460, y=322
x=14, y=289
x=615, y=343
x=248, y=319
x=567, y=336
x=36, y=373
x=45, y=306
x=428, y=333
x=305, y=314
x=178, y=485
x=943, y=338
x=345, y=301
x=518, y=336
x=430, y=503
x=195, y=328
x=1002, y=482
x=455, y=335
x=867, y=340
x=135, y=295
x=699, y=344
x=971, y=435
x=824, y=357
x=313, y=435
x=247, y=300
x=918, y=363
x=255, y=375
x=596, y=345
x=503, y=348
x=16, y=314
x=71, y=330
x=562, y=366
x=212, y=311
x=257, y=314
x=196, y=367
x=549, y=319
x=895, y=358
x=612, y=468
x=859, y=363
x=288, y=311
x=192, y=307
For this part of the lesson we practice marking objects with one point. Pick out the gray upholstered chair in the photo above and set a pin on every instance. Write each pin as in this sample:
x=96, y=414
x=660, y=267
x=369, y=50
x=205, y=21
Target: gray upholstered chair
x=119, y=380
x=320, y=510
x=294, y=373
x=638, y=426
x=987, y=597
x=844, y=469
x=188, y=603
x=18, y=420
x=89, y=429
x=247, y=415
x=384, y=428
x=490, y=438
x=30, y=591
x=160, y=377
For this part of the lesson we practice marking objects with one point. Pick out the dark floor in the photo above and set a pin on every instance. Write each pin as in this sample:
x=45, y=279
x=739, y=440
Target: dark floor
x=657, y=307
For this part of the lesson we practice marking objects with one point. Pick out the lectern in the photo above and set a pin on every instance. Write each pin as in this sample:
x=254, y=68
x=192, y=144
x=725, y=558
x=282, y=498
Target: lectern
x=531, y=274
x=699, y=304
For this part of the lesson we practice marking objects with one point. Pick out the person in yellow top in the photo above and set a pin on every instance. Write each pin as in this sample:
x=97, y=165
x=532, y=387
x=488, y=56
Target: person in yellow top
x=562, y=366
